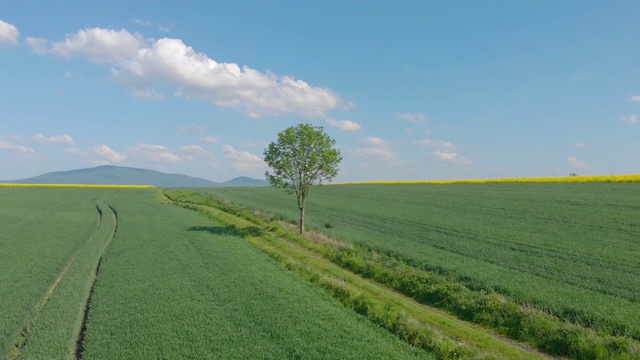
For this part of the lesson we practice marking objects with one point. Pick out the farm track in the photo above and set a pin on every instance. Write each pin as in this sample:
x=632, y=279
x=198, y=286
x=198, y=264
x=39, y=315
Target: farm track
x=87, y=309
x=23, y=335
x=447, y=326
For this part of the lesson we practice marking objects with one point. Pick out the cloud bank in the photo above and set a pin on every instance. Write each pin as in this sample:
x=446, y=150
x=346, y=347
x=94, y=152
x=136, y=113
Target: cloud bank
x=146, y=64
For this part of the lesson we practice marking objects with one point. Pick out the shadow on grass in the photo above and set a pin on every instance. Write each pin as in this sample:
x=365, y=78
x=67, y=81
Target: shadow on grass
x=215, y=230
x=229, y=230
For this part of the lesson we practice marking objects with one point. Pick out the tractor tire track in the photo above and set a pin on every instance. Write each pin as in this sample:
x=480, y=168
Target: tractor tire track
x=79, y=352
x=21, y=339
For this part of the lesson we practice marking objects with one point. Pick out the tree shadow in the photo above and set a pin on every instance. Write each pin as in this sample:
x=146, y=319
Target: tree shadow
x=214, y=230
x=253, y=231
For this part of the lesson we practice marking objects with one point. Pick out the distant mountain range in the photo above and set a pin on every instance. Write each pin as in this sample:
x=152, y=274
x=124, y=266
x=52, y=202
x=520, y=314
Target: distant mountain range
x=118, y=175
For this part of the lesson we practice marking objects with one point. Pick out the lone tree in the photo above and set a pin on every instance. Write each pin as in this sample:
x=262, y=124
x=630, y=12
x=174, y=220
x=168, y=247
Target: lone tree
x=303, y=156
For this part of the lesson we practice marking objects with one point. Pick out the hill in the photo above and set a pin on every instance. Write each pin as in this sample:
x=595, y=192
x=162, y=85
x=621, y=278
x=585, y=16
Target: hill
x=242, y=181
x=118, y=175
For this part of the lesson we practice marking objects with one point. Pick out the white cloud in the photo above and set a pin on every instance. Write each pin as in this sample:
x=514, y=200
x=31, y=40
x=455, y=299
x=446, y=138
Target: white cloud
x=141, y=22
x=16, y=149
x=453, y=158
x=8, y=34
x=242, y=160
x=211, y=139
x=631, y=119
x=146, y=63
x=444, y=151
x=374, y=152
x=194, y=149
x=344, y=125
x=580, y=145
x=153, y=153
x=376, y=148
x=414, y=118
x=375, y=141
x=190, y=151
x=75, y=152
x=634, y=98
x=434, y=143
x=60, y=139
x=96, y=44
x=147, y=93
x=578, y=164
x=105, y=153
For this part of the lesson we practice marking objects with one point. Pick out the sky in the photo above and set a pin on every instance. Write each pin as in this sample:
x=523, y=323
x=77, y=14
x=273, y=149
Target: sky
x=408, y=89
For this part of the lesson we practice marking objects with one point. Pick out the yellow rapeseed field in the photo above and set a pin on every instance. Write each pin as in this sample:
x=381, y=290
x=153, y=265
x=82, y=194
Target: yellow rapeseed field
x=561, y=179
x=83, y=186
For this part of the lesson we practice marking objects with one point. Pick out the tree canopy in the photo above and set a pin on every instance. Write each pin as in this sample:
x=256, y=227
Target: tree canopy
x=302, y=156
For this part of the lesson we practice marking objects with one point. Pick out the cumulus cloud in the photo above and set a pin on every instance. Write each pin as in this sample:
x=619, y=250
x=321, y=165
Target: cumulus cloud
x=97, y=45
x=374, y=152
x=375, y=141
x=631, y=119
x=414, y=118
x=211, y=139
x=452, y=157
x=344, y=125
x=153, y=153
x=141, y=22
x=8, y=34
x=63, y=139
x=376, y=148
x=634, y=98
x=242, y=160
x=98, y=155
x=444, y=151
x=434, y=143
x=107, y=154
x=19, y=150
x=144, y=64
x=577, y=164
x=190, y=151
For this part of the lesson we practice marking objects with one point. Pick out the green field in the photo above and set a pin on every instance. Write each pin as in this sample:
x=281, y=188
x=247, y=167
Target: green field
x=167, y=283
x=124, y=274
x=571, y=249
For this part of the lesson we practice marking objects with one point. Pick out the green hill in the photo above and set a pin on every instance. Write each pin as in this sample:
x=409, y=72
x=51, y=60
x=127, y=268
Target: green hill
x=118, y=175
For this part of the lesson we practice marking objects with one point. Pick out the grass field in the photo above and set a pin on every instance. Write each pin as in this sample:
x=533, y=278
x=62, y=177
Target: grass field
x=99, y=273
x=571, y=249
x=41, y=231
x=167, y=283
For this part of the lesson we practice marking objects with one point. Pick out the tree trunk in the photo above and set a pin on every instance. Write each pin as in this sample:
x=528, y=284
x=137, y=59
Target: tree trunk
x=301, y=220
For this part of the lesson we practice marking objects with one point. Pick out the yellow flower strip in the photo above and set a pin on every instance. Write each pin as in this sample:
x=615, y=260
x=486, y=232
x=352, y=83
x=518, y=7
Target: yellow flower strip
x=563, y=179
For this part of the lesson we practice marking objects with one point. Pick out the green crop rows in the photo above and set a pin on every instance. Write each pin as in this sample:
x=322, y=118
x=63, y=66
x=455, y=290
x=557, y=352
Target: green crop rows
x=571, y=249
x=161, y=282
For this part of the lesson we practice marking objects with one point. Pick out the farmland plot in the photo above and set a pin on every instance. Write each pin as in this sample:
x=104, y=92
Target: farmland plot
x=568, y=248
x=50, y=240
x=113, y=274
x=175, y=284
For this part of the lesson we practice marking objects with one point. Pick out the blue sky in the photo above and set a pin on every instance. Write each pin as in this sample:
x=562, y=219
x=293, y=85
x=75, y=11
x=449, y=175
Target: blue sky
x=409, y=89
